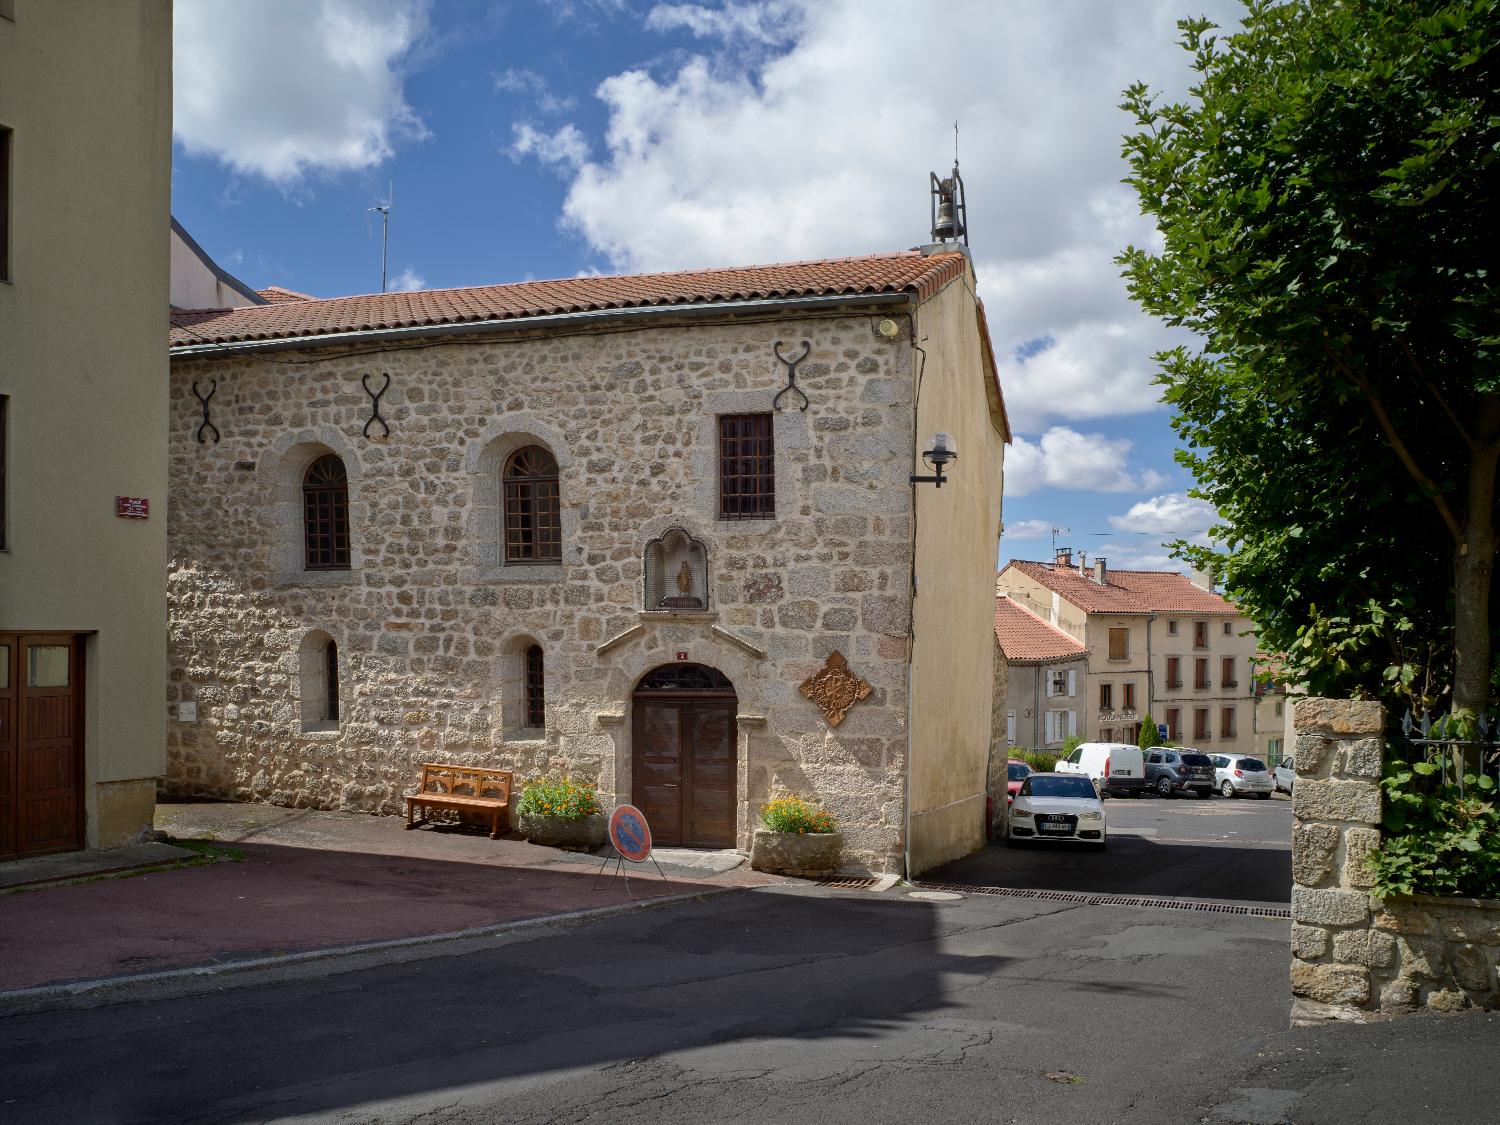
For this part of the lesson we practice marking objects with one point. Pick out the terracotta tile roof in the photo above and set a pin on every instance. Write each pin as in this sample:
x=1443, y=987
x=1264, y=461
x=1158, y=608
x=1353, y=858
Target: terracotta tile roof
x=1026, y=639
x=906, y=272
x=275, y=295
x=1127, y=591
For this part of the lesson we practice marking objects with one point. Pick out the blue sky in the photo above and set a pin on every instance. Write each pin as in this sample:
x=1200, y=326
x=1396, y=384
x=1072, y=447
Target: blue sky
x=538, y=139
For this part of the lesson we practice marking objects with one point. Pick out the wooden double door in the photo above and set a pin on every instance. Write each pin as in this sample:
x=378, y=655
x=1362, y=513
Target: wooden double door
x=683, y=756
x=41, y=744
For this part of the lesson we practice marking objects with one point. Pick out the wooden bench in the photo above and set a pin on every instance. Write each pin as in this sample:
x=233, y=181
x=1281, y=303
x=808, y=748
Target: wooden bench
x=463, y=789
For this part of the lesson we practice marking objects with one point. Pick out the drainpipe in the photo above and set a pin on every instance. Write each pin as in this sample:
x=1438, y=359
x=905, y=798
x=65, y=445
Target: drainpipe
x=1150, y=672
x=911, y=602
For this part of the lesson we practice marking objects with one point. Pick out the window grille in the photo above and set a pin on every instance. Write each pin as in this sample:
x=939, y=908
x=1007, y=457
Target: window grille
x=325, y=514
x=536, y=689
x=747, y=467
x=331, y=682
x=533, y=509
x=677, y=678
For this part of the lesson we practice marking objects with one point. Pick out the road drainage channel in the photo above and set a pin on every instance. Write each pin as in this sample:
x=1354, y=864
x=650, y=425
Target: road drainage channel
x=1257, y=910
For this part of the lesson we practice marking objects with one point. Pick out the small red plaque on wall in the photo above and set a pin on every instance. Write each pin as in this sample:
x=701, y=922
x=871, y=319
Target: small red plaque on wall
x=132, y=507
x=682, y=656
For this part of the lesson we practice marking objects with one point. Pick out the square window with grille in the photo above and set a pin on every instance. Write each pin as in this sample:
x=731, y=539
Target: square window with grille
x=747, y=467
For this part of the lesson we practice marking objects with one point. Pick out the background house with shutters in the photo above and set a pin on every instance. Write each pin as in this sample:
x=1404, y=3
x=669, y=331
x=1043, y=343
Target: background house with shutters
x=1047, y=674
x=85, y=177
x=593, y=528
x=1157, y=643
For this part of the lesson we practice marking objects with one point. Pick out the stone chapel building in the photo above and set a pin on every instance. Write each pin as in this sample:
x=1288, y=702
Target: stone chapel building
x=656, y=533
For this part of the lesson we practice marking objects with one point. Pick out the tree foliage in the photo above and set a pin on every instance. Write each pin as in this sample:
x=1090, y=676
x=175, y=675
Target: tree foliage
x=1149, y=735
x=1324, y=198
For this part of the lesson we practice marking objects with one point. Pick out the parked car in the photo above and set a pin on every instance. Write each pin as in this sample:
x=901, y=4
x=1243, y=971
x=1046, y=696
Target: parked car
x=1056, y=806
x=1115, y=767
x=1283, y=776
x=1239, y=774
x=1180, y=769
x=1015, y=773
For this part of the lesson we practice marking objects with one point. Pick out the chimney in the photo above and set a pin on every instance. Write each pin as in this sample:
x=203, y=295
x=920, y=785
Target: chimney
x=1101, y=575
x=1064, y=556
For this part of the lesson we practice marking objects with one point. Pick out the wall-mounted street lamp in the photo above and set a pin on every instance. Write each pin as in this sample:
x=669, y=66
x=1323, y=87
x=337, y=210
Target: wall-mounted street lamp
x=940, y=455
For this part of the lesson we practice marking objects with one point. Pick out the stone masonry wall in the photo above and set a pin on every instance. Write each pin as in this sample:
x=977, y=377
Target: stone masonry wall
x=1354, y=956
x=431, y=629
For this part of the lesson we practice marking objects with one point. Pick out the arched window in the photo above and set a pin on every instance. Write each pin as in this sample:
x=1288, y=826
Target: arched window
x=325, y=514
x=533, y=519
x=536, y=691
x=331, y=682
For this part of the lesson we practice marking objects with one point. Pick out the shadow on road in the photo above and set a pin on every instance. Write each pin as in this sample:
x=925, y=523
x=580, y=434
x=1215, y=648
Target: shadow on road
x=725, y=970
x=1132, y=865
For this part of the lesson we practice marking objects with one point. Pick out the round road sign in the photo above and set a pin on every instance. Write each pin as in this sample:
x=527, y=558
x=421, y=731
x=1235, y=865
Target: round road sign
x=630, y=833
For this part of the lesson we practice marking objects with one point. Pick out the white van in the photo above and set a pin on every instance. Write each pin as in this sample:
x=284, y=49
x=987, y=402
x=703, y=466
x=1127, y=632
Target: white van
x=1116, y=767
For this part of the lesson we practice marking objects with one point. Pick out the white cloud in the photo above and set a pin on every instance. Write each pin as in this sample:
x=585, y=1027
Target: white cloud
x=1065, y=458
x=1174, y=515
x=281, y=88
x=1029, y=529
x=760, y=21
x=520, y=80
x=820, y=145
x=407, y=281
x=564, y=151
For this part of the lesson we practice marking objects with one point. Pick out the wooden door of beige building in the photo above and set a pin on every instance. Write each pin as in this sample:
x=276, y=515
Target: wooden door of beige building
x=41, y=746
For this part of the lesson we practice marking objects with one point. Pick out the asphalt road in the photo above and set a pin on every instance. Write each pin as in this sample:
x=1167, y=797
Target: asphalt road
x=771, y=1005
x=1215, y=850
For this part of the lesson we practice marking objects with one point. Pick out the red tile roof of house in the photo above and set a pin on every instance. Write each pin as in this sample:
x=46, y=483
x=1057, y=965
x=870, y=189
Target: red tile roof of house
x=275, y=294
x=906, y=272
x=1127, y=591
x=1026, y=639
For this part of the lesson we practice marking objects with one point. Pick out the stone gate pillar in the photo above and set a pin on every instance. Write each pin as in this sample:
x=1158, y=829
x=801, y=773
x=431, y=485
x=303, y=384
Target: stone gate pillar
x=1336, y=811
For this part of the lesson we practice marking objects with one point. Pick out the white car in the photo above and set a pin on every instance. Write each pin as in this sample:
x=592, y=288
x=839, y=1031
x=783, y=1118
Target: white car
x=1116, y=767
x=1239, y=775
x=1056, y=806
x=1284, y=775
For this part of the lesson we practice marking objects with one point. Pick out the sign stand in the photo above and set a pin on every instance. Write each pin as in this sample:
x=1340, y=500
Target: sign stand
x=631, y=836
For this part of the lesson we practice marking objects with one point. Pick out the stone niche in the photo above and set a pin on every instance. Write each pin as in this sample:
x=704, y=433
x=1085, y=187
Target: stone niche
x=675, y=573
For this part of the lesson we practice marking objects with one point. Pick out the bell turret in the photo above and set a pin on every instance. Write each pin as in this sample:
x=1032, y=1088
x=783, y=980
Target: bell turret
x=950, y=208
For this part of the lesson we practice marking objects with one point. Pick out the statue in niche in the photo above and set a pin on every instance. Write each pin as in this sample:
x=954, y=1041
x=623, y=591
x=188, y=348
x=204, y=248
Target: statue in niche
x=685, y=579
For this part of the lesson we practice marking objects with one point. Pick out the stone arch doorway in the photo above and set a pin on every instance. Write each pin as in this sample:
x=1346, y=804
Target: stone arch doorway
x=683, y=755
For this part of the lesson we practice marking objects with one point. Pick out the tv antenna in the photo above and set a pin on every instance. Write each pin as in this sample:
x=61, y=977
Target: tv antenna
x=1056, y=531
x=385, y=226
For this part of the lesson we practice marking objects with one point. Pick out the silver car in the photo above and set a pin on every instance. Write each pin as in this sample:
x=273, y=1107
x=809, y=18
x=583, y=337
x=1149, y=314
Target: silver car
x=1240, y=775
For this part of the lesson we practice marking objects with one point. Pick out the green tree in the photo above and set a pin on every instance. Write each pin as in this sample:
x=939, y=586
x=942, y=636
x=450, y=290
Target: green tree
x=1323, y=196
x=1149, y=736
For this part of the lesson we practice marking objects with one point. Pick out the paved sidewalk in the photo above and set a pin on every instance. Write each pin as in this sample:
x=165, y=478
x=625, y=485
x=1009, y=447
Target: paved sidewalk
x=313, y=880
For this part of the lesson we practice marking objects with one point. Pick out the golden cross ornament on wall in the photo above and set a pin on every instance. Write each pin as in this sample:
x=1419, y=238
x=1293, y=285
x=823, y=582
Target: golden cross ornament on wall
x=835, y=688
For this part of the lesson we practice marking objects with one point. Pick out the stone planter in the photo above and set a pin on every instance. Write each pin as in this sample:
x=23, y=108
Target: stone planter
x=796, y=853
x=570, y=835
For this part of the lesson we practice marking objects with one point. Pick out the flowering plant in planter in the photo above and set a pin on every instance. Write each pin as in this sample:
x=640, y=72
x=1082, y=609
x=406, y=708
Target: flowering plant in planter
x=798, y=838
x=793, y=814
x=565, y=799
x=562, y=814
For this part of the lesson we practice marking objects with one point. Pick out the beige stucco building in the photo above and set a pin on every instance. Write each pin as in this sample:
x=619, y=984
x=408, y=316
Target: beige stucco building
x=85, y=158
x=1156, y=644
x=620, y=529
x=1047, y=678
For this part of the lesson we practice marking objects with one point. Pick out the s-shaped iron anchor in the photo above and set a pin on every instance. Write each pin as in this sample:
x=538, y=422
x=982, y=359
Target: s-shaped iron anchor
x=375, y=404
x=203, y=402
x=791, y=374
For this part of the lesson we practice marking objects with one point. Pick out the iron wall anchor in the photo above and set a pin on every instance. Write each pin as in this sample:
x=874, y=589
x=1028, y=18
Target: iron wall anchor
x=206, y=424
x=375, y=404
x=791, y=374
